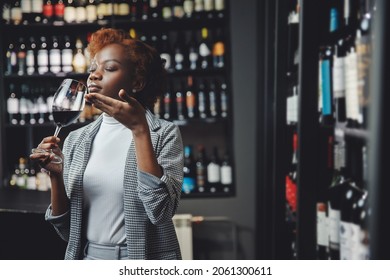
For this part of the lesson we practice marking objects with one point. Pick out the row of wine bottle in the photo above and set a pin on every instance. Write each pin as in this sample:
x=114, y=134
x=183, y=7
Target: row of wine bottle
x=63, y=54
x=27, y=175
x=201, y=175
x=204, y=99
x=201, y=99
x=91, y=11
x=342, y=207
x=205, y=174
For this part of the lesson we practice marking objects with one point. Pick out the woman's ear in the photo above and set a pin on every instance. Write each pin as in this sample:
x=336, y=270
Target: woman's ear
x=138, y=86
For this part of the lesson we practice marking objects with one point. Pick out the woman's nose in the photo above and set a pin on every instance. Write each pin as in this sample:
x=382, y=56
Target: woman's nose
x=95, y=75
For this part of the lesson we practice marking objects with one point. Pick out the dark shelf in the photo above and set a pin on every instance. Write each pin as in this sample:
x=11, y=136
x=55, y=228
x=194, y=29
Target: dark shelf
x=23, y=201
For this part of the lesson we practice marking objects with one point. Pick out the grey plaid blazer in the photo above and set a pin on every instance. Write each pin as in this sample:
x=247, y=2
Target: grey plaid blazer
x=149, y=202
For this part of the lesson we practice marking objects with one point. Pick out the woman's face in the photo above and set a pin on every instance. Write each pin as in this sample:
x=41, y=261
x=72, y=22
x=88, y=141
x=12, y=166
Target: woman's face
x=110, y=71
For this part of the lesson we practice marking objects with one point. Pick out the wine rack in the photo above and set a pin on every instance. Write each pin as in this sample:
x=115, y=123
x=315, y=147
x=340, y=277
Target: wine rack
x=326, y=93
x=181, y=29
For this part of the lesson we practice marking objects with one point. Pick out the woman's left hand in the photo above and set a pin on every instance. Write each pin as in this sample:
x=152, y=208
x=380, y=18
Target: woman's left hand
x=129, y=112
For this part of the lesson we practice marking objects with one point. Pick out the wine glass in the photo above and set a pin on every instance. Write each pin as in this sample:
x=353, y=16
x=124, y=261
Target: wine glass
x=68, y=103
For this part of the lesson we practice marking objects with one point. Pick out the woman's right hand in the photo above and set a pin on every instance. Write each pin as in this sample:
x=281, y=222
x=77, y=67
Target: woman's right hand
x=44, y=159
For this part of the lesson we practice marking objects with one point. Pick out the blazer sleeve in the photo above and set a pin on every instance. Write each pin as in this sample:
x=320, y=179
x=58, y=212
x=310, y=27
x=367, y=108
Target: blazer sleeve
x=160, y=196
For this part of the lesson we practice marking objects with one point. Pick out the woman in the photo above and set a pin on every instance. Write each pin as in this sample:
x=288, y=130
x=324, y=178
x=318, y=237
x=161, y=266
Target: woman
x=119, y=186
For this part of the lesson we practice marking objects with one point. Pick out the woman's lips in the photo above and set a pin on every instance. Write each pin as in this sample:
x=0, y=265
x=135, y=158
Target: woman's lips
x=94, y=88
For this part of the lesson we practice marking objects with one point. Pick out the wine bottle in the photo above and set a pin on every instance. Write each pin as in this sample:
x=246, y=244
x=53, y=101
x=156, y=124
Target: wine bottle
x=166, y=10
x=213, y=100
x=349, y=197
x=177, y=9
x=67, y=56
x=11, y=60
x=226, y=173
x=189, y=170
x=326, y=84
x=205, y=49
x=214, y=172
x=218, y=52
x=30, y=56
x=42, y=109
x=23, y=105
x=165, y=51
x=338, y=84
x=91, y=10
x=335, y=192
x=43, y=57
x=81, y=11
x=79, y=61
x=201, y=169
x=224, y=99
x=21, y=55
x=208, y=6
x=31, y=182
x=59, y=12
x=180, y=102
x=193, y=55
x=6, y=13
x=219, y=7
x=16, y=13
x=202, y=101
x=198, y=9
x=364, y=54
x=168, y=103
x=26, y=7
x=12, y=105
x=351, y=97
x=48, y=12
x=190, y=98
x=21, y=180
x=145, y=10
x=179, y=52
x=55, y=56
x=70, y=11
x=37, y=10
x=134, y=10
x=154, y=7
x=188, y=8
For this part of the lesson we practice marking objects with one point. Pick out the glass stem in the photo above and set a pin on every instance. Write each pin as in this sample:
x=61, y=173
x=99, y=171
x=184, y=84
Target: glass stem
x=58, y=128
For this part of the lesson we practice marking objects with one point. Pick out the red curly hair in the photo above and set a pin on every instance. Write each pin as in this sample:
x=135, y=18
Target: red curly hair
x=145, y=59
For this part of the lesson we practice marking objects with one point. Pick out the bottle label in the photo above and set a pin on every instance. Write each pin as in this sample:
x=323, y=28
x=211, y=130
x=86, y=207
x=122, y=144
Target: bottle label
x=70, y=14
x=226, y=175
x=188, y=184
x=188, y=7
x=43, y=61
x=355, y=241
x=48, y=10
x=204, y=50
x=213, y=173
x=81, y=14
x=37, y=6
x=322, y=225
x=338, y=77
x=345, y=240
x=208, y=5
x=218, y=49
x=219, y=5
x=12, y=105
x=351, y=81
x=59, y=10
x=326, y=89
x=334, y=226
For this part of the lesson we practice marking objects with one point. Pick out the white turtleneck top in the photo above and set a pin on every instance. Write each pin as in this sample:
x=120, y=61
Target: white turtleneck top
x=103, y=183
